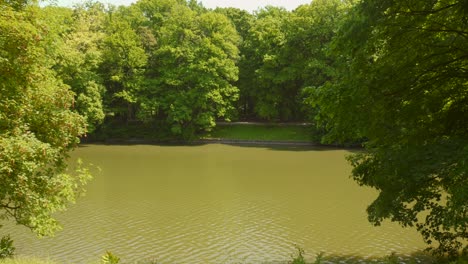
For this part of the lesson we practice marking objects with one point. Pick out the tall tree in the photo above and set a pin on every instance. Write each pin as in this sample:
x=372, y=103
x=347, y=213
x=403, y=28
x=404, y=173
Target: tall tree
x=243, y=21
x=124, y=59
x=402, y=84
x=37, y=125
x=77, y=53
x=307, y=56
x=190, y=84
x=270, y=98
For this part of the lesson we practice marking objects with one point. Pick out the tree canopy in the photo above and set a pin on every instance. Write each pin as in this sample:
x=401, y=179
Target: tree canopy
x=194, y=68
x=37, y=125
x=401, y=84
x=76, y=37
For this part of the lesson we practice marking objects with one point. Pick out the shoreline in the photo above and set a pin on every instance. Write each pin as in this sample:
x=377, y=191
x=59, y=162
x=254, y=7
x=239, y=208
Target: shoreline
x=236, y=142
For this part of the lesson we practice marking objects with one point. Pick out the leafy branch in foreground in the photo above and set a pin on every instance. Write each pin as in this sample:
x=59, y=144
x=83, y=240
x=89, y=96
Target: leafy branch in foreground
x=401, y=83
x=37, y=126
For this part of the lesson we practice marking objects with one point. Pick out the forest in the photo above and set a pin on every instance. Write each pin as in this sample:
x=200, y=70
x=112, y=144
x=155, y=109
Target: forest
x=390, y=74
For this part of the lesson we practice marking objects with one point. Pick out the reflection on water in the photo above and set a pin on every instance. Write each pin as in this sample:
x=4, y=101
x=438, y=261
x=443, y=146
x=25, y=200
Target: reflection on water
x=217, y=204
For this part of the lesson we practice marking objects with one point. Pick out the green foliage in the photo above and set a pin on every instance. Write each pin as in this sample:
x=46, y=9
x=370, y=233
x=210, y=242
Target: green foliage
x=123, y=66
x=299, y=258
x=7, y=250
x=271, y=99
x=176, y=65
x=460, y=260
x=262, y=132
x=319, y=258
x=311, y=29
x=392, y=259
x=389, y=73
x=37, y=126
x=76, y=39
x=109, y=258
x=401, y=84
x=243, y=21
x=284, y=56
x=190, y=84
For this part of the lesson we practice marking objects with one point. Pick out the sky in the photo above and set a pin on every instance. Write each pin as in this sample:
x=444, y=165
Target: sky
x=249, y=5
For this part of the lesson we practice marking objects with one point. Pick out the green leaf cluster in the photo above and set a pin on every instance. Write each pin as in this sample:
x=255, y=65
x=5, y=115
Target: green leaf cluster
x=124, y=61
x=75, y=45
x=284, y=56
x=190, y=84
x=7, y=250
x=401, y=85
x=37, y=126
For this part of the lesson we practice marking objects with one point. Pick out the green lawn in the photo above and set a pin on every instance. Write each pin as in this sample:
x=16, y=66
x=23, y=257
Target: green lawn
x=261, y=132
x=268, y=132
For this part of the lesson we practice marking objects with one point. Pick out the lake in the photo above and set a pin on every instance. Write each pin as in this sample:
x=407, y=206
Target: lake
x=217, y=203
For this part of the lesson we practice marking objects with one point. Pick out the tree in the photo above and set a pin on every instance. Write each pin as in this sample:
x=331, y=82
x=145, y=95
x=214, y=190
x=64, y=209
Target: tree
x=402, y=84
x=77, y=43
x=309, y=64
x=124, y=59
x=193, y=69
x=37, y=125
x=285, y=56
x=271, y=99
x=243, y=21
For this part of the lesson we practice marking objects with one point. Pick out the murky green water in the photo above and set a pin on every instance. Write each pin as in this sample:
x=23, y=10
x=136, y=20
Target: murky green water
x=217, y=204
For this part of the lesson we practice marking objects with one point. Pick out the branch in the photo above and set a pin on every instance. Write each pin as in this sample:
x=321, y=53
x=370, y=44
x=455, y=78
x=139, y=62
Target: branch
x=424, y=12
x=7, y=205
x=10, y=207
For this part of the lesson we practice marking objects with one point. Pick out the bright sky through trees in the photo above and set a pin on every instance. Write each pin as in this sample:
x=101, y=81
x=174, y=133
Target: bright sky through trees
x=249, y=5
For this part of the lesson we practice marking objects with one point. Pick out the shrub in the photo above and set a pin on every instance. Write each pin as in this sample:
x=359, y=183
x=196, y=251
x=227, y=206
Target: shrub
x=109, y=258
x=299, y=258
x=7, y=249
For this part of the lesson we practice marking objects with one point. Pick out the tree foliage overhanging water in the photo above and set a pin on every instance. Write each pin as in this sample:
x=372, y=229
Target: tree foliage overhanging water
x=392, y=74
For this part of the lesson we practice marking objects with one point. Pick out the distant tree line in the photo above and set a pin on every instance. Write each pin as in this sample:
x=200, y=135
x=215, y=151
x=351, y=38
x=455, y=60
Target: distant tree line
x=182, y=67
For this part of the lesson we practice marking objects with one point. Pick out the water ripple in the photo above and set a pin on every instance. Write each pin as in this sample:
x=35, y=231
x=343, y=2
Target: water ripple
x=225, y=205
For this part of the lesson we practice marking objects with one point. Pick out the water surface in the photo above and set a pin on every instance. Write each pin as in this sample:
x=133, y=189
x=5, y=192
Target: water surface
x=217, y=204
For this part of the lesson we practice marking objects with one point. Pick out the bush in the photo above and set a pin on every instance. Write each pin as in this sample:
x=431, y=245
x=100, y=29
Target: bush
x=299, y=258
x=7, y=249
x=109, y=258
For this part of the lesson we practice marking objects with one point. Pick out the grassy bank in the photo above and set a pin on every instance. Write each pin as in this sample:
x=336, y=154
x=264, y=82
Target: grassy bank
x=126, y=131
x=268, y=132
x=234, y=131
